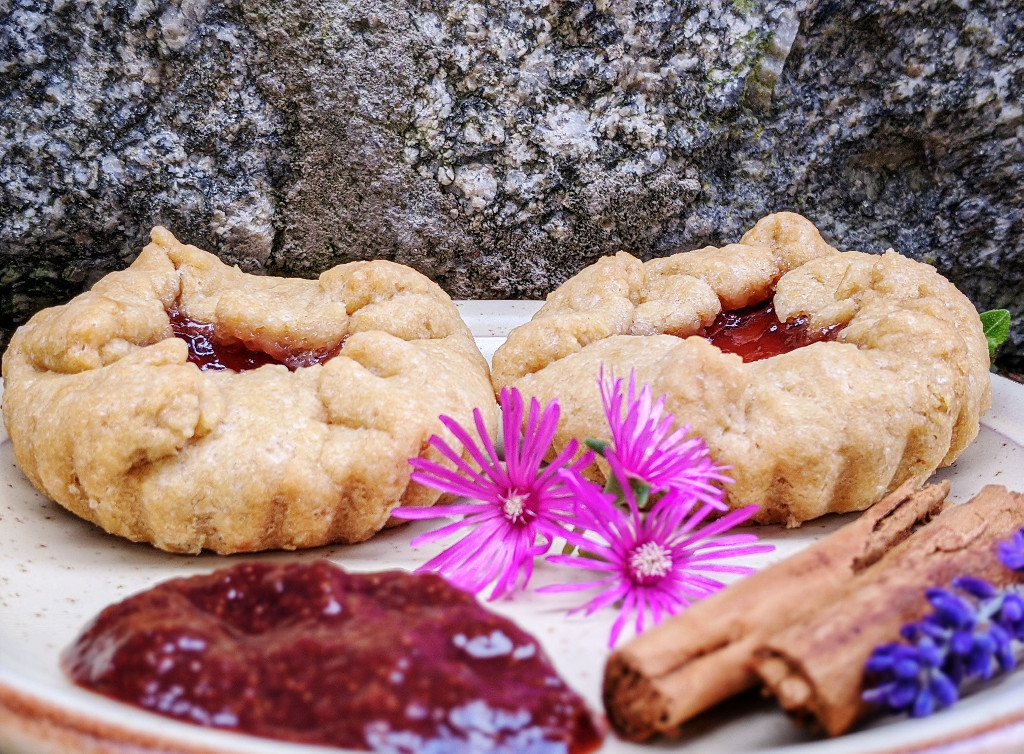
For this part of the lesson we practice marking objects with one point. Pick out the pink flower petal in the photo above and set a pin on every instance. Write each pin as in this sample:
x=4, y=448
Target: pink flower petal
x=522, y=506
x=626, y=545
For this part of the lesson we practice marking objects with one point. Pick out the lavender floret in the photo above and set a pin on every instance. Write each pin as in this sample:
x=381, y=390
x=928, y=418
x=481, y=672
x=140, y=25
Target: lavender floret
x=1011, y=552
x=969, y=634
x=1011, y=615
x=915, y=682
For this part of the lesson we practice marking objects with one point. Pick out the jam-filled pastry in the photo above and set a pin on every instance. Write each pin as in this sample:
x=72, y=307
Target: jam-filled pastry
x=822, y=378
x=185, y=403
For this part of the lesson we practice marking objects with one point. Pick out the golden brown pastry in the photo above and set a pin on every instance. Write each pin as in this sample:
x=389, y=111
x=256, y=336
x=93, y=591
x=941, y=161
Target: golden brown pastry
x=890, y=387
x=108, y=416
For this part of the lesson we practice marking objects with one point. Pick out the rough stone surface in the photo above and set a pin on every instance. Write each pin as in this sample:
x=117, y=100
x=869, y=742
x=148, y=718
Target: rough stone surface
x=500, y=146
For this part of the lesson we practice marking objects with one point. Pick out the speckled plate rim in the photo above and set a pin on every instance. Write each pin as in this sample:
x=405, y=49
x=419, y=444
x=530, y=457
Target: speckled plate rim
x=42, y=713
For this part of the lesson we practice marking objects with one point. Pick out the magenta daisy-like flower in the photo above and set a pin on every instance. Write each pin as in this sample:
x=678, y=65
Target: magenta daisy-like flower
x=651, y=452
x=656, y=563
x=516, y=507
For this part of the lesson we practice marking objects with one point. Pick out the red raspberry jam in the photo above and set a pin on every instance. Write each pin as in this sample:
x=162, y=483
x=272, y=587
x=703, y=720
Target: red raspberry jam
x=206, y=352
x=755, y=332
x=306, y=652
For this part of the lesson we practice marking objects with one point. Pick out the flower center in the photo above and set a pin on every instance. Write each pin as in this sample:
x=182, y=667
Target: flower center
x=650, y=562
x=514, y=506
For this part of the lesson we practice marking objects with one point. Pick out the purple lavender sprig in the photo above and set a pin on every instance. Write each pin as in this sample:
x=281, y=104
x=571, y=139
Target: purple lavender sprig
x=970, y=634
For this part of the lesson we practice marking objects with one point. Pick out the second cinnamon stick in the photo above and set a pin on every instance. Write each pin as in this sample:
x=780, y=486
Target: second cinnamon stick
x=816, y=667
x=688, y=663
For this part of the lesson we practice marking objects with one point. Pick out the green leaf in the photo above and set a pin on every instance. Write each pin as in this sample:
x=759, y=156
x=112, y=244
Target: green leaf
x=611, y=485
x=996, y=324
x=597, y=446
x=641, y=491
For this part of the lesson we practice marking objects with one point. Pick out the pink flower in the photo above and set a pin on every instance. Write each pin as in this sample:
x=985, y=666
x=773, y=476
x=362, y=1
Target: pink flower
x=656, y=563
x=516, y=508
x=649, y=452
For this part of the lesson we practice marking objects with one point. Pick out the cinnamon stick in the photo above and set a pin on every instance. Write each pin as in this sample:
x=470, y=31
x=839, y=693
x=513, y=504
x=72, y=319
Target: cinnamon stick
x=689, y=663
x=815, y=667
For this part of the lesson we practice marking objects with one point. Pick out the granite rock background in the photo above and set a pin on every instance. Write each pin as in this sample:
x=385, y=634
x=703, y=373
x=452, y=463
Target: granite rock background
x=499, y=146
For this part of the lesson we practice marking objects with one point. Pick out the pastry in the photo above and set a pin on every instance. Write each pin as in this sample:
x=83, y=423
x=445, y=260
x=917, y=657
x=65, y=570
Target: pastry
x=296, y=431
x=879, y=373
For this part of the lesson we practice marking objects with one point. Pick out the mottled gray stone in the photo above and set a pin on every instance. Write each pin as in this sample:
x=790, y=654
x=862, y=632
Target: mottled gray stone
x=500, y=146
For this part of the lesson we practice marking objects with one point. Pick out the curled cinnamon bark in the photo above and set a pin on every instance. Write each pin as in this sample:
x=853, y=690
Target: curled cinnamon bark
x=689, y=663
x=815, y=667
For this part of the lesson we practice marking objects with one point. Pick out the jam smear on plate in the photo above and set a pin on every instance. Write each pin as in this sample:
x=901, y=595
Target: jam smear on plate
x=755, y=332
x=209, y=354
x=307, y=652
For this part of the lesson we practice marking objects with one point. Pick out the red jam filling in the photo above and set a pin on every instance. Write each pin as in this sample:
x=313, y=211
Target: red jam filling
x=755, y=332
x=205, y=351
x=306, y=652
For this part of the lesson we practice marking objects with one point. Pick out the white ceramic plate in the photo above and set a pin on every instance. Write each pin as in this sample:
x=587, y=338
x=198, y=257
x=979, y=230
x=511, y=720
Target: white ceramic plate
x=57, y=571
